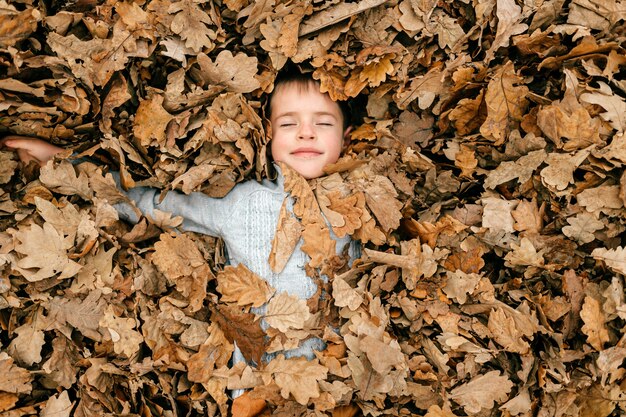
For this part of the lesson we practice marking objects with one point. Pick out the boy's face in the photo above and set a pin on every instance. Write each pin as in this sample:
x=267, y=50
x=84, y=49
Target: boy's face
x=307, y=129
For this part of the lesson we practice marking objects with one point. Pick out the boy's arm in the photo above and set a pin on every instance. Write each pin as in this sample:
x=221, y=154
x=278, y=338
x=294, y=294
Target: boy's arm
x=200, y=213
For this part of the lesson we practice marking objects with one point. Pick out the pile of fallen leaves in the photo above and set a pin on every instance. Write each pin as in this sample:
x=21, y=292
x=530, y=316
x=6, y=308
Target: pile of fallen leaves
x=485, y=183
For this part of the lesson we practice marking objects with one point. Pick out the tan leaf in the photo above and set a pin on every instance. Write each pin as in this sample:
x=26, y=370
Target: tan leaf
x=213, y=354
x=582, y=227
x=16, y=26
x=614, y=106
x=335, y=14
x=524, y=254
x=560, y=170
x=381, y=197
x=45, y=253
x=237, y=72
x=15, y=380
x=600, y=198
x=298, y=377
x=63, y=179
x=318, y=244
x=595, y=319
x=190, y=22
x=459, y=284
x=569, y=119
x=83, y=315
x=61, y=366
x=509, y=17
x=506, y=103
x=482, y=392
x=286, y=312
x=497, y=214
x=151, y=120
x=369, y=383
x=126, y=340
x=180, y=260
x=505, y=332
x=346, y=296
x=58, y=406
x=528, y=217
x=448, y=31
x=241, y=286
x=522, y=169
x=286, y=237
x=26, y=346
x=242, y=328
x=465, y=159
x=305, y=206
x=7, y=166
x=383, y=355
x=424, y=89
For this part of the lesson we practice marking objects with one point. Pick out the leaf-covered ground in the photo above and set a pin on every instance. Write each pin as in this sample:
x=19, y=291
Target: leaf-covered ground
x=485, y=182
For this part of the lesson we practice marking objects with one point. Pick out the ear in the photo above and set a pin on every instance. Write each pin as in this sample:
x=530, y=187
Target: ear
x=346, y=136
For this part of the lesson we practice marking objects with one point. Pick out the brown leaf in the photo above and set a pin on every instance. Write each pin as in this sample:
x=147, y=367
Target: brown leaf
x=482, y=392
x=179, y=259
x=298, y=377
x=286, y=237
x=595, y=319
x=242, y=328
x=16, y=380
x=17, y=26
x=241, y=286
x=506, y=103
x=190, y=22
x=286, y=312
x=237, y=73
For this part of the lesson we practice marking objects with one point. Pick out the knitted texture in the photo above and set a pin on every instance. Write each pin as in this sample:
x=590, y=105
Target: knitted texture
x=246, y=220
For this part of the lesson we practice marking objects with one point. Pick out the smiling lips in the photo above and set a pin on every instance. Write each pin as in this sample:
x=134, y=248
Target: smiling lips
x=306, y=153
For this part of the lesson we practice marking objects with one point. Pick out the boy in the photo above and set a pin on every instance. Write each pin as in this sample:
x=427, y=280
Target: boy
x=309, y=131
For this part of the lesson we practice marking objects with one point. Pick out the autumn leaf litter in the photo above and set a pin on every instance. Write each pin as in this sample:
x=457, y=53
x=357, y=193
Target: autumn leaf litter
x=485, y=184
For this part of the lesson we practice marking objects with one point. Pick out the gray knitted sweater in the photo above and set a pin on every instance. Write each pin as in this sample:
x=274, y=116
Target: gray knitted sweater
x=246, y=220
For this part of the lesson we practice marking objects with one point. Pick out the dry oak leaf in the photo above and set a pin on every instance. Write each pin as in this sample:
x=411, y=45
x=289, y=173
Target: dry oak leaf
x=190, y=22
x=381, y=198
x=346, y=296
x=126, y=340
x=497, y=214
x=83, y=315
x=600, y=198
x=613, y=258
x=448, y=31
x=614, y=106
x=242, y=328
x=506, y=103
x=239, y=285
x=237, y=72
x=214, y=353
x=17, y=26
x=369, y=383
x=297, y=376
x=45, y=251
x=561, y=166
x=318, y=244
x=423, y=88
x=305, y=207
x=505, y=333
x=26, y=346
x=96, y=60
x=528, y=217
x=58, y=406
x=522, y=169
x=62, y=179
x=509, y=17
x=594, y=327
x=335, y=14
x=151, y=120
x=286, y=312
x=14, y=379
x=524, y=254
x=7, y=166
x=481, y=392
x=466, y=160
x=460, y=284
x=383, y=355
x=582, y=227
x=569, y=119
x=287, y=235
x=179, y=259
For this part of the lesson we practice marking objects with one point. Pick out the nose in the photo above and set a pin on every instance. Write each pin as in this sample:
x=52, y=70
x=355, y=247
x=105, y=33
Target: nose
x=306, y=131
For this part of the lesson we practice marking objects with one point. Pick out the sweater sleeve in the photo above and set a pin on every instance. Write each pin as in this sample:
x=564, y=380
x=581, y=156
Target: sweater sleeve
x=200, y=213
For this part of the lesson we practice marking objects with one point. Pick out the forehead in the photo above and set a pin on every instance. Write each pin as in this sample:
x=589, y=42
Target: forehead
x=288, y=96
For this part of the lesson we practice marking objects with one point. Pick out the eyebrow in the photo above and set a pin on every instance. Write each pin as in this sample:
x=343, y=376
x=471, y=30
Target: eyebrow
x=319, y=113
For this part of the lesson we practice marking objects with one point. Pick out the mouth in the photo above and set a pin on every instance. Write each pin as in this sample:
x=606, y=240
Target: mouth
x=306, y=153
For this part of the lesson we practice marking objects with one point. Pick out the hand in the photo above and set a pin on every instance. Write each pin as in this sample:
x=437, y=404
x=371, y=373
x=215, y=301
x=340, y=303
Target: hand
x=31, y=149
